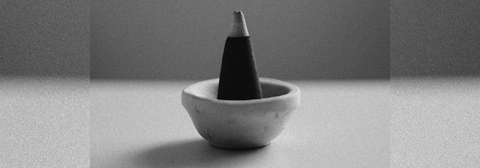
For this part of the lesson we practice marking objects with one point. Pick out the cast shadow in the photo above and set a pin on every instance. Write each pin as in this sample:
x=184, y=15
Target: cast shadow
x=194, y=153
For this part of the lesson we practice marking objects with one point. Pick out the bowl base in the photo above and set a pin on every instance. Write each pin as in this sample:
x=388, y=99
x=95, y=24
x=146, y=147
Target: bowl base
x=235, y=147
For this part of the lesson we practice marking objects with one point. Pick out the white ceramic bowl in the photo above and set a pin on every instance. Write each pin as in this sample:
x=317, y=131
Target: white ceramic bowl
x=240, y=123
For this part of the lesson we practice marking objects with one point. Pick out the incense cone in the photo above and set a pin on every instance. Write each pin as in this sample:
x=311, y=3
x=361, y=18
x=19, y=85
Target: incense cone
x=238, y=75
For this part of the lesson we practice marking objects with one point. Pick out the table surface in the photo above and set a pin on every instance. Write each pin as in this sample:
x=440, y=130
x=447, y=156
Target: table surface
x=143, y=124
x=410, y=122
x=44, y=122
x=435, y=122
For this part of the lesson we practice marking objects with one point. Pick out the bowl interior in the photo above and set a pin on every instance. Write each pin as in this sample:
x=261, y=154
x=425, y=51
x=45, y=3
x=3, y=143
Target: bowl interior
x=273, y=90
x=209, y=89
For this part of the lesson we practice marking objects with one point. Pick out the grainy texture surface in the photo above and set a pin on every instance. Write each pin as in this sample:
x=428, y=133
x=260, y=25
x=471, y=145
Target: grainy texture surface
x=181, y=39
x=44, y=122
x=143, y=124
x=44, y=38
x=435, y=122
x=435, y=38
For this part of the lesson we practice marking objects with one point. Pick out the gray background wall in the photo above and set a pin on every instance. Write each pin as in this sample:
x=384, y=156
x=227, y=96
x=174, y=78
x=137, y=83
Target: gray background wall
x=435, y=38
x=310, y=39
x=44, y=38
x=175, y=39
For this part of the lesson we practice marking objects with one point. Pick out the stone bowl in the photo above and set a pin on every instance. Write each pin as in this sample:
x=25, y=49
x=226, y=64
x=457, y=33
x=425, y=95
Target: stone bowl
x=240, y=124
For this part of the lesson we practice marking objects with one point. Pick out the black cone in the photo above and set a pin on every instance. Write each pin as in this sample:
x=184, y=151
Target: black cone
x=238, y=75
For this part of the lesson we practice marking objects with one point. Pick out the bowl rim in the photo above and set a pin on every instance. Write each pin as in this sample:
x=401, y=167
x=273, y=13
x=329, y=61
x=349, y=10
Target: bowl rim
x=294, y=91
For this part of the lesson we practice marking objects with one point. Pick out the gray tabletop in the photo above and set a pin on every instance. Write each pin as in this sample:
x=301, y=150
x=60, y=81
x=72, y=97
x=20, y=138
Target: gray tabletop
x=143, y=124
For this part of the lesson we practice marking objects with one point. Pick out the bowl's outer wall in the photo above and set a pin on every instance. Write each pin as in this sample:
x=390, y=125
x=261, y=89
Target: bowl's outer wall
x=245, y=125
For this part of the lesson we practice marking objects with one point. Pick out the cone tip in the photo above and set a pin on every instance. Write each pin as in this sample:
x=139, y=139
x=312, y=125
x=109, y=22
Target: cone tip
x=239, y=26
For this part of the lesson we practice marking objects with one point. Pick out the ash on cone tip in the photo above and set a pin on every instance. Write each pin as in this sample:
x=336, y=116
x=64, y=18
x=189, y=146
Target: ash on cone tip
x=239, y=26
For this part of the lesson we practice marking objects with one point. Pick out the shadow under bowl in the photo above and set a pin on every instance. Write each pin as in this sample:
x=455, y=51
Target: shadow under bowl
x=240, y=124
